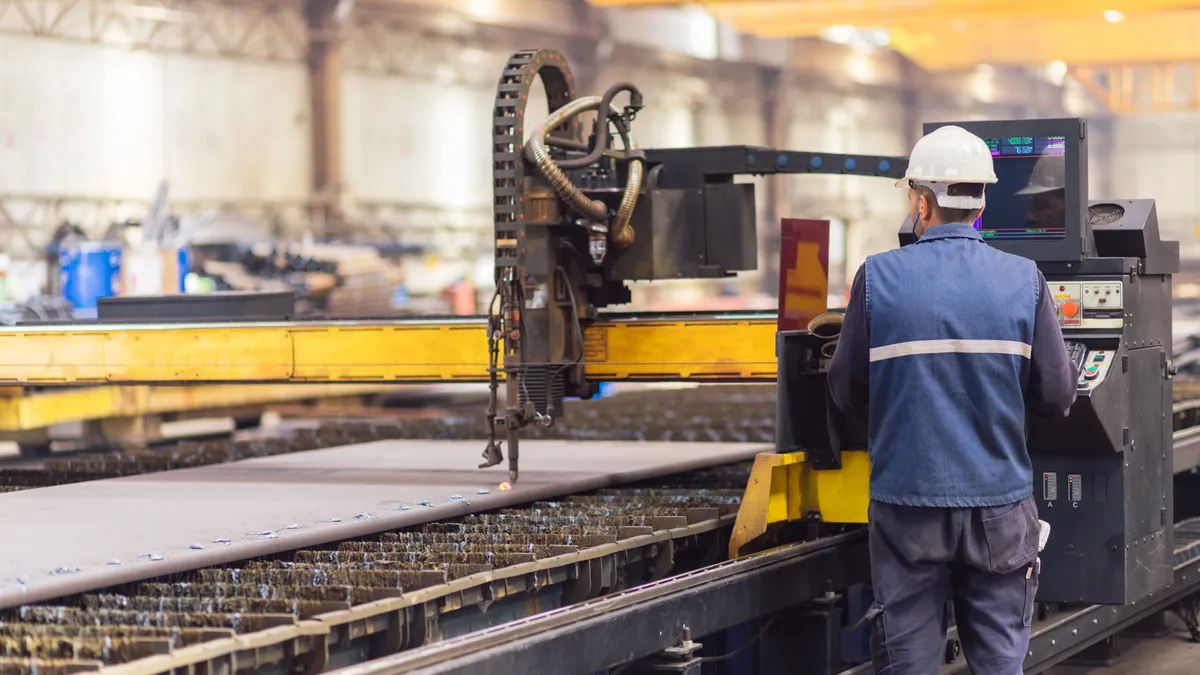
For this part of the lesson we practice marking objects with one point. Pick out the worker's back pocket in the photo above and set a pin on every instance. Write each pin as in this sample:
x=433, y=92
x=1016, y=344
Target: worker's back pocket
x=1011, y=533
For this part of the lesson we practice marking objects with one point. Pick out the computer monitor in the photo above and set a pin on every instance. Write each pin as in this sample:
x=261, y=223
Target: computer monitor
x=1029, y=200
x=1038, y=206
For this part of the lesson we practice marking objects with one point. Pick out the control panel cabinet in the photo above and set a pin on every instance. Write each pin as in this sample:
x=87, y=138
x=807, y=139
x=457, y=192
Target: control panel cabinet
x=1103, y=475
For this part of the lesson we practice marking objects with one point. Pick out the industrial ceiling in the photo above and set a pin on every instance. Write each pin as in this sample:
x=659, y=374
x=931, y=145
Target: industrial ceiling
x=953, y=34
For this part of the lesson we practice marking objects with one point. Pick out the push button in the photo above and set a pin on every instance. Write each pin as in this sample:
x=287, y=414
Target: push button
x=1091, y=372
x=1070, y=309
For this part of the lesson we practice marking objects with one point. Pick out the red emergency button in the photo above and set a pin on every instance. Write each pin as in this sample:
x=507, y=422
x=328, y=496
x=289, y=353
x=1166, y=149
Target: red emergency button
x=1070, y=309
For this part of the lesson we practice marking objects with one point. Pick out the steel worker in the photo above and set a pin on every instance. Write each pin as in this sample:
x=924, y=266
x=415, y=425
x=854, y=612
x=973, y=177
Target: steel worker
x=950, y=342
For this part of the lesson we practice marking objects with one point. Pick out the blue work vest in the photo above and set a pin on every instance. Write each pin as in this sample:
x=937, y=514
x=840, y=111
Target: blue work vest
x=950, y=321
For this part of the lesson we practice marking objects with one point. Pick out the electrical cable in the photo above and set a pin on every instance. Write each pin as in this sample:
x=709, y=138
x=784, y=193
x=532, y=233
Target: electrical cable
x=574, y=315
x=600, y=129
x=538, y=153
x=757, y=636
x=1188, y=612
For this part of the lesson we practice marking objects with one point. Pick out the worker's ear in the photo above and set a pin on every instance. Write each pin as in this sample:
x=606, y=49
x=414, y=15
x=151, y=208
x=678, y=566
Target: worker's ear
x=924, y=208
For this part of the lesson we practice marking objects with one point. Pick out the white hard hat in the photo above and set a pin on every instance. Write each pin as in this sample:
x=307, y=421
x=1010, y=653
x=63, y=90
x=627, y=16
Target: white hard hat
x=1049, y=174
x=946, y=156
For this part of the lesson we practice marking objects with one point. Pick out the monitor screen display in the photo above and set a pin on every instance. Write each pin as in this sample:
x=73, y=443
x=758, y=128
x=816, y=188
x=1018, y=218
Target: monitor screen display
x=1029, y=199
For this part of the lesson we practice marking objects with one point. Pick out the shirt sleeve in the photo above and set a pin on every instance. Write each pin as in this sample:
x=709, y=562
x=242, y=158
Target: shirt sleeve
x=1052, y=376
x=849, y=370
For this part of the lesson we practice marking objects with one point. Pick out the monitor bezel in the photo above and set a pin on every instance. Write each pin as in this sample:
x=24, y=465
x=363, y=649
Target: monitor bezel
x=1076, y=242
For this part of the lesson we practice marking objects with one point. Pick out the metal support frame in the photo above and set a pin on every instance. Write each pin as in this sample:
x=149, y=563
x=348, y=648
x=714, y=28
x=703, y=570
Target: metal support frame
x=632, y=625
x=1066, y=635
x=265, y=30
x=806, y=640
x=790, y=582
x=1143, y=88
x=681, y=659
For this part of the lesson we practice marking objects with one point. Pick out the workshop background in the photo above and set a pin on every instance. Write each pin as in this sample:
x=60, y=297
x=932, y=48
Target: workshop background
x=339, y=153
x=366, y=120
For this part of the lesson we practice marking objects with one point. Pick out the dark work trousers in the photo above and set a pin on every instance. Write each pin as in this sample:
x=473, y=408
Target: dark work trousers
x=983, y=558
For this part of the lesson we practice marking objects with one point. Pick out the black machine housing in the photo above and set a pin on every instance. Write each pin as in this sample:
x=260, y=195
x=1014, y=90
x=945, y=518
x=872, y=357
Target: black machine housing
x=1103, y=475
x=692, y=221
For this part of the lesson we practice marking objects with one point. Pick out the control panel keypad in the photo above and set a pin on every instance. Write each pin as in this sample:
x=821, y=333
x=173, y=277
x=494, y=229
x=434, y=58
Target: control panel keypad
x=1095, y=367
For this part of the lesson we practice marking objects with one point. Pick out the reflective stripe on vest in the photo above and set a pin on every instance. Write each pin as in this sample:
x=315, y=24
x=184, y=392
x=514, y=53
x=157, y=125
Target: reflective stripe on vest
x=918, y=347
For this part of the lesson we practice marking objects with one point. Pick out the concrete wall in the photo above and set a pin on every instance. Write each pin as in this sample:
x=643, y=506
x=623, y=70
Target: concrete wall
x=1158, y=157
x=91, y=120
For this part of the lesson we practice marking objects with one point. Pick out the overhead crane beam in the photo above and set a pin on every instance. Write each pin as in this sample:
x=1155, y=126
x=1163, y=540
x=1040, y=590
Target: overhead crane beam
x=947, y=43
x=954, y=34
x=1159, y=87
x=885, y=12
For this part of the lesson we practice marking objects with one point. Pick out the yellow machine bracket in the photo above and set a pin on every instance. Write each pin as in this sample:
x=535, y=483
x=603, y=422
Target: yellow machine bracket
x=784, y=487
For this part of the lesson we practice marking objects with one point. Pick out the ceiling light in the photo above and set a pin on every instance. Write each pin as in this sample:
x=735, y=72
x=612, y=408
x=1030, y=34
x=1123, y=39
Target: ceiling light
x=1057, y=71
x=1113, y=15
x=839, y=34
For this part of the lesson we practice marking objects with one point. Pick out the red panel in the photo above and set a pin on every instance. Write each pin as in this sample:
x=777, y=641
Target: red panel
x=803, y=272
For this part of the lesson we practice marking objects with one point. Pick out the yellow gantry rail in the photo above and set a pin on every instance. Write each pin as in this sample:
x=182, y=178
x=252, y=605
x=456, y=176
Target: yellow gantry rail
x=23, y=411
x=719, y=347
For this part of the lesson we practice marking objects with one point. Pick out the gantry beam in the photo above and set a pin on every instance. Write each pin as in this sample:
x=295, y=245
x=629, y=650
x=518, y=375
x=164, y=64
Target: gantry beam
x=671, y=347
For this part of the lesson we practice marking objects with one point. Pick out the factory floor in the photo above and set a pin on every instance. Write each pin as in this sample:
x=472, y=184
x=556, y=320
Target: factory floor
x=1172, y=654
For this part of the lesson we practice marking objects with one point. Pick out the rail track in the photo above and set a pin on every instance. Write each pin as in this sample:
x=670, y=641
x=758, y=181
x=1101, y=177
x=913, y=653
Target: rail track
x=328, y=607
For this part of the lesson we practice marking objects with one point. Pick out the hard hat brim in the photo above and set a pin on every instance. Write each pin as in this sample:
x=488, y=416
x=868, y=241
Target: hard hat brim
x=903, y=182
